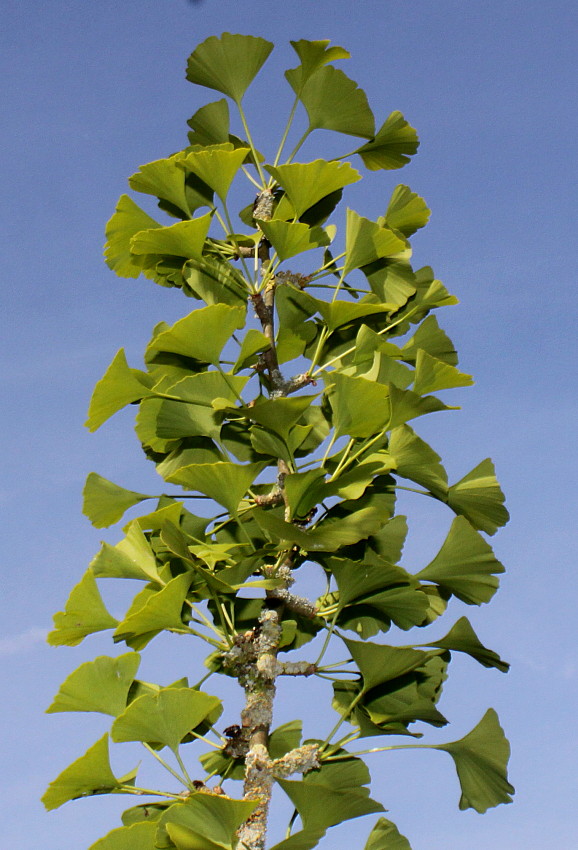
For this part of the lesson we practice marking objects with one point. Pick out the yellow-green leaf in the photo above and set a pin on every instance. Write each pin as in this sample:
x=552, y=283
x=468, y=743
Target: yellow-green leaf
x=83, y=615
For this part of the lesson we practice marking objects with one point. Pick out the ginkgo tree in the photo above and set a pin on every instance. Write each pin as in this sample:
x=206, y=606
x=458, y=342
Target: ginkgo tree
x=279, y=410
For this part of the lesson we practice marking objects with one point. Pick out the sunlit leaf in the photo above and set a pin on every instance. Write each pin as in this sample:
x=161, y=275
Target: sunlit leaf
x=462, y=638
x=333, y=102
x=392, y=280
x=465, y=565
x=406, y=405
x=360, y=408
x=313, y=55
x=430, y=337
x=119, y=386
x=161, y=610
x=306, y=183
x=417, y=461
x=202, y=334
x=104, y=503
x=225, y=482
x=478, y=497
x=285, y=738
x=215, y=167
x=481, y=760
x=83, y=615
x=278, y=414
x=90, y=774
x=165, y=179
x=128, y=219
x=228, y=64
x=184, y=239
x=291, y=238
x=214, y=817
x=132, y=557
x=163, y=718
x=305, y=839
x=395, y=142
x=138, y=836
x=406, y=211
x=366, y=241
x=432, y=374
x=386, y=836
x=298, y=490
x=215, y=281
x=100, y=685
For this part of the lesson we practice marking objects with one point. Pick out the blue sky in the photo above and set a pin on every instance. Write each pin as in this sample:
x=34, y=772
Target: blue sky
x=91, y=91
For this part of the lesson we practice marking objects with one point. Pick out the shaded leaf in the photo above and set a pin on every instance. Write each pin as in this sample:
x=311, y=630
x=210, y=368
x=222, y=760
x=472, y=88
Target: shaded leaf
x=163, y=718
x=100, y=685
x=164, y=179
x=229, y=63
x=379, y=663
x=215, y=281
x=104, y=503
x=478, y=497
x=254, y=343
x=386, y=836
x=225, y=482
x=481, y=760
x=83, y=615
x=395, y=142
x=90, y=774
x=210, y=124
x=313, y=55
x=305, y=839
x=462, y=638
x=417, y=461
x=216, y=166
x=465, y=565
x=211, y=816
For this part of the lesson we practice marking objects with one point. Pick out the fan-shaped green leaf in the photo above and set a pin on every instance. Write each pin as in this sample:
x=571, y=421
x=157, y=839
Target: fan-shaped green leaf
x=386, y=836
x=215, y=166
x=313, y=55
x=395, y=142
x=210, y=124
x=393, y=281
x=128, y=219
x=137, y=836
x=100, y=685
x=305, y=839
x=481, y=760
x=430, y=337
x=184, y=239
x=279, y=415
x=406, y=405
x=90, y=774
x=201, y=335
x=432, y=374
x=165, y=179
x=120, y=385
x=366, y=241
x=228, y=64
x=379, y=663
x=465, y=565
x=215, y=281
x=285, y=738
x=104, y=503
x=306, y=183
x=254, y=343
x=214, y=817
x=333, y=102
x=290, y=238
x=462, y=638
x=164, y=718
x=161, y=610
x=417, y=461
x=224, y=482
x=83, y=615
x=360, y=408
x=332, y=794
x=478, y=497
x=406, y=211
x=301, y=492
x=132, y=557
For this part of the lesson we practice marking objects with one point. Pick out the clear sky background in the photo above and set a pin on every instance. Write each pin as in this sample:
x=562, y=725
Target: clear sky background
x=93, y=89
